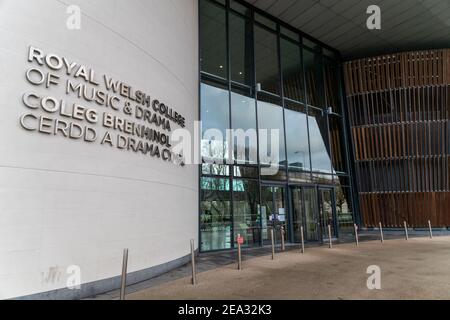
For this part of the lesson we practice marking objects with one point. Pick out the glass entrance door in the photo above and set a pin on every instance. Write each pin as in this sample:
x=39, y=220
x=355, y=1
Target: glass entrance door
x=326, y=211
x=305, y=213
x=312, y=208
x=297, y=213
x=312, y=231
x=273, y=212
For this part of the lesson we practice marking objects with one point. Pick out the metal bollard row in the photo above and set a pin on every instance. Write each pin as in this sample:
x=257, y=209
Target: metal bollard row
x=239, y=242
x=381, y=233
x=123, y=284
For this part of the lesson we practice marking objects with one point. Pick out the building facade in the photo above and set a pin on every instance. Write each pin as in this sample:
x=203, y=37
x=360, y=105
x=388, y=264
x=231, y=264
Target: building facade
x=258, y=74
x=291, y=138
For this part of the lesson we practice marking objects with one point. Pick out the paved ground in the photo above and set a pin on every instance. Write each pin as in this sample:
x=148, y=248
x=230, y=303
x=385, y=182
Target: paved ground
x=414, y=269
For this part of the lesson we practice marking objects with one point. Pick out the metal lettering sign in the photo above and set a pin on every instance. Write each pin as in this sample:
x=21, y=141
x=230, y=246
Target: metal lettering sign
x=129, y=119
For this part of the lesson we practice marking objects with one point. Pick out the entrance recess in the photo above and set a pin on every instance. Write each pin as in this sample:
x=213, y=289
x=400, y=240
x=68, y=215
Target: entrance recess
x=273, y=212
x=326, y=210
x=312, y=208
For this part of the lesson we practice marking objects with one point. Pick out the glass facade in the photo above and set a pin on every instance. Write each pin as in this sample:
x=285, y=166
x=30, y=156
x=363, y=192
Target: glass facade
x=288, y=166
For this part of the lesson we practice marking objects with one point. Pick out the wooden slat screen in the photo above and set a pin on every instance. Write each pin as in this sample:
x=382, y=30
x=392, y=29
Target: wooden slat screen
x=399, y=108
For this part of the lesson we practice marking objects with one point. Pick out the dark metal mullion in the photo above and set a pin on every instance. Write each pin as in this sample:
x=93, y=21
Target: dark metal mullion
x=288, y=213
x=348, y=155
x=270, y=94
x=212, y=77
x=287, y=38
x=294, y=101
x=237, y=13
x=325, y=110
x=250, y=79
x=333, y=175
x=230, y=123
x=307, y=98
x=257, y=129
x=241, y=85
x=267, y=28
x=305, y=86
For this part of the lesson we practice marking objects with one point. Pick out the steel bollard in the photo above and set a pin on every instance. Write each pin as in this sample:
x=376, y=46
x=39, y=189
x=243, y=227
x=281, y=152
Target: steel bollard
x=356, y=235
x=406, y=230
x=329, y=237
x=123, y=284
x=193, y=266
x=283, y=247
x=303, y=239
x=381, y=233
x=239, y=253
x=273, y=243
x=431, y=230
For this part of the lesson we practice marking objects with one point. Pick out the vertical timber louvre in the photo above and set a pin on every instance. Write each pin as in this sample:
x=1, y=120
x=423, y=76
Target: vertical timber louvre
x=399, y=116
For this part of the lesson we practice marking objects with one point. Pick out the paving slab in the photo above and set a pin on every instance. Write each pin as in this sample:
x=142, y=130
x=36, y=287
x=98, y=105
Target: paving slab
x=414, y=269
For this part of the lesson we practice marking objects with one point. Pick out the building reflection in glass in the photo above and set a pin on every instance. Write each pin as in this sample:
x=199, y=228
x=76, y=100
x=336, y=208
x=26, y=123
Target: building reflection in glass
x=280, y=81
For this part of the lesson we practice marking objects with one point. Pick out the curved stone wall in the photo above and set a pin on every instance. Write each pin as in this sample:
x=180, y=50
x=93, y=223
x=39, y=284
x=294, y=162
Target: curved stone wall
x=73, y=197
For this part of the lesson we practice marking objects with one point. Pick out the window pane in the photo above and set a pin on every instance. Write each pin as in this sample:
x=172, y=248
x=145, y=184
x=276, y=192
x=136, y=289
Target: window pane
x=311, y=44
x=297, y=137
x=243, y=111
x=344, y=210
x=240, y=8
x=215, y=214
x=296, y=176
x=321, y=178
x=332, y=86
x=250, y=172
x=215, y=121
x=289, y=33
x=292, y=71
x=213, y=37
x=320, y=149
x=241, y=49
x=265, y=21
x=314, y=78
x=266, y=60
x=246, y=216
x=337, y=144
x=271, y=143
x=215, y=170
